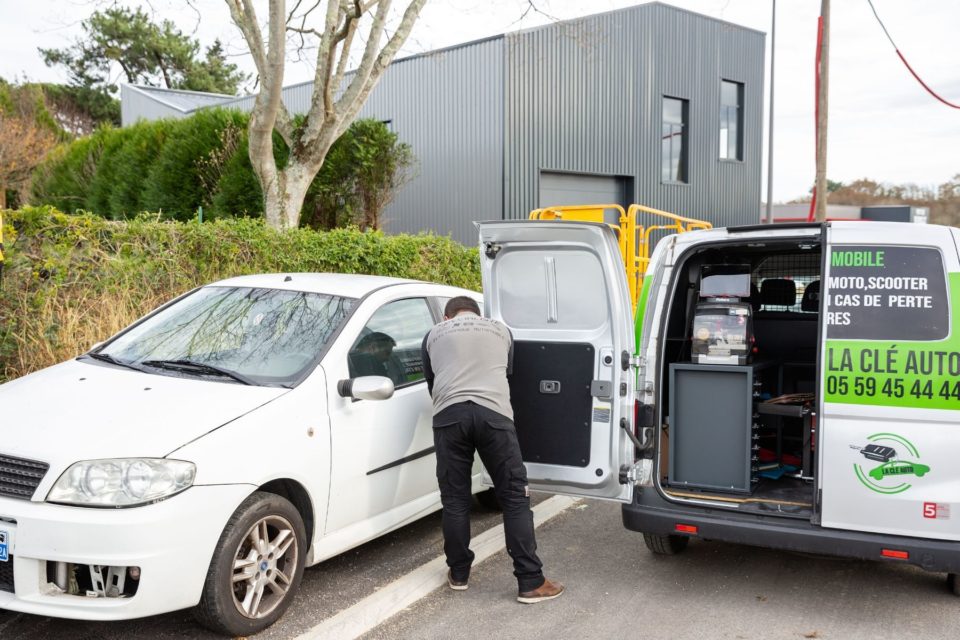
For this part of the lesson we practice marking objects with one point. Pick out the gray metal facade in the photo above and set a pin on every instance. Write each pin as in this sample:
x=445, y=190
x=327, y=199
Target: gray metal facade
x=585, y=96
x=487, y=119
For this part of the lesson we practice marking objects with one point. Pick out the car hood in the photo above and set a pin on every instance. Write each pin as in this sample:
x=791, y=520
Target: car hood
x=81, y=411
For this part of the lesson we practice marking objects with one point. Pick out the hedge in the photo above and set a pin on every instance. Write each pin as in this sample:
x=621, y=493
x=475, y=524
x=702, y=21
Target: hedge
x=174, y=167
x=72, y=280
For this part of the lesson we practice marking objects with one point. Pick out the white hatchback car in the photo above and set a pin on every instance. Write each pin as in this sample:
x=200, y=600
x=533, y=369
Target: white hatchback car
x=207, y=453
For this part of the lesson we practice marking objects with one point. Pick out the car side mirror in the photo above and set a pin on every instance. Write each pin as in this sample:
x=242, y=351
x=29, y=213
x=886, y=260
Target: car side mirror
x=366, y=388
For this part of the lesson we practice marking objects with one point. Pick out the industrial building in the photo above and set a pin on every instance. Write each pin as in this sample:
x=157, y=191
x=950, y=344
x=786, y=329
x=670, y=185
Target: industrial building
x=649, y=104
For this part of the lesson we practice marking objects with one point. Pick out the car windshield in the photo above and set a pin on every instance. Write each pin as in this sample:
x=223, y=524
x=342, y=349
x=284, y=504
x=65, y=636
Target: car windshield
x=241, y=334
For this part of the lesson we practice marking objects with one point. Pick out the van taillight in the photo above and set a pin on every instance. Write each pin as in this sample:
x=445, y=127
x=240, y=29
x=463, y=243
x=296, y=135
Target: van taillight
x=895, y=554
x=686, y=528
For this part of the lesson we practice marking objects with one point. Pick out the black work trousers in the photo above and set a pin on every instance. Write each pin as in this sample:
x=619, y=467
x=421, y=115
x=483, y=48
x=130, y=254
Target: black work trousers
x=458, y=431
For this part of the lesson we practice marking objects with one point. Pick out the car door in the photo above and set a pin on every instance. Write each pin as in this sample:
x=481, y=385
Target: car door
x=561, y=289
x=890, y=380
x=382, y=450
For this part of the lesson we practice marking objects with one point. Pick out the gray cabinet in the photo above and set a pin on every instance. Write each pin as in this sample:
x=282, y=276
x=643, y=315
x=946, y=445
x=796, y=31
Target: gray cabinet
x=712, y=426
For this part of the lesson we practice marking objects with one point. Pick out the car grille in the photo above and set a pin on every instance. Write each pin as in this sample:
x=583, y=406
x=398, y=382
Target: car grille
x=19, y=478
x=6, y=575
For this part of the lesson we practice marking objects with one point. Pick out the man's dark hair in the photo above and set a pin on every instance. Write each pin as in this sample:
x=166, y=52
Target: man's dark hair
x=460, y=303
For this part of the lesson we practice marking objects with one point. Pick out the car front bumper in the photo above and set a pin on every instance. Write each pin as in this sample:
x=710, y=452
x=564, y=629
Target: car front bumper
x=171, y=541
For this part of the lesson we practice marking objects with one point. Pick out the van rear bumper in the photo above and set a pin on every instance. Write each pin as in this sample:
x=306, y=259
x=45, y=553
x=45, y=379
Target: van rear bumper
x=649, y=513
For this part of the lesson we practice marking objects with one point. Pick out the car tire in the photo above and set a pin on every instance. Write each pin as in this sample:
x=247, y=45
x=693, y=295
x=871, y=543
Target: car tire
x=665, y=545
x=488, y=500
x=264, y=540
x=953, y=583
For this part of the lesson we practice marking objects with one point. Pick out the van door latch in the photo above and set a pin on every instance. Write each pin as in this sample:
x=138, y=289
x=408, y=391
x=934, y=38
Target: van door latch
x=550, y=386
x=601, y=389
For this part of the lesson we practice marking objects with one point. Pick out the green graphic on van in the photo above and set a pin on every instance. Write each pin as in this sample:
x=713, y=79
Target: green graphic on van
x=891, y=451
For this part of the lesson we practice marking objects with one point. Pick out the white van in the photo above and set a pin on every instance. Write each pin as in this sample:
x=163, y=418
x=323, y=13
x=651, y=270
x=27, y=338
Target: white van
x=790, y=386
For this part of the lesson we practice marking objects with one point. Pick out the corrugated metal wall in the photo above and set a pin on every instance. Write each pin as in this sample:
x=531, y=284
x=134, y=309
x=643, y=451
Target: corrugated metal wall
x=585, y=96
x=448, y=106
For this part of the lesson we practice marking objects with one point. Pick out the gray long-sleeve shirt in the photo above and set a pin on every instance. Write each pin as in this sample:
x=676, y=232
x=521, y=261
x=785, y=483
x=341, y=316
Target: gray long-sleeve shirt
x=469, y=358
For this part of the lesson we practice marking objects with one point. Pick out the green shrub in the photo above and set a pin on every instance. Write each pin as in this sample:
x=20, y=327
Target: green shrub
x=174, y=184
x=63, y=178
x=175, y=166
x=73, y=280
x=105, y=177
x=141, y=147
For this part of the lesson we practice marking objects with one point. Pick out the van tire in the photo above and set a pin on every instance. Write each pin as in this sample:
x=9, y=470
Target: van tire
x=953, y=584
x=665, y=545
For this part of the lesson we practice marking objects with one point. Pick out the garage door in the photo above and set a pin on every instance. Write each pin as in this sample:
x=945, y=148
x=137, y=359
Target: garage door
x=573, y=188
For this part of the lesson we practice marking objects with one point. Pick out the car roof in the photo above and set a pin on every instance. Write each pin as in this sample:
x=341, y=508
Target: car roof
x=349, y=285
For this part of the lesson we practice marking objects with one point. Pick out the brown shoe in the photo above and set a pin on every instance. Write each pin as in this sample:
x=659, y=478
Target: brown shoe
x=547, y=591
x=456, y=585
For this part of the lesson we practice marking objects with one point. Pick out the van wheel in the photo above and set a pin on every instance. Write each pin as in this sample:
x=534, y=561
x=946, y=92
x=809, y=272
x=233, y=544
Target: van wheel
x=665, y=545
x=256, y=567
x=488, y=500
x=953, y=584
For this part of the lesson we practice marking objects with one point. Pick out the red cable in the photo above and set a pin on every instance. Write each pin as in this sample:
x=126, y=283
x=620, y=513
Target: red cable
x=904, y=60
x=924, y=84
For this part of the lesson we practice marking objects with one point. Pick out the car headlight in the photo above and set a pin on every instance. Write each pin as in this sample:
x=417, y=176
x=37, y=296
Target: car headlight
x=122, y=482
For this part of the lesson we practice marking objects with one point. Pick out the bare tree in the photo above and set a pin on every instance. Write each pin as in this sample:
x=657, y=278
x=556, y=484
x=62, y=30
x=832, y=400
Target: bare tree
x=24, y=140
x=334, y=103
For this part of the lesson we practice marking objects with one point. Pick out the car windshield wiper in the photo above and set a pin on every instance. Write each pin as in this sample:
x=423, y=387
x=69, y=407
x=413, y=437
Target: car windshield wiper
x=106, y=357
x=199, y=367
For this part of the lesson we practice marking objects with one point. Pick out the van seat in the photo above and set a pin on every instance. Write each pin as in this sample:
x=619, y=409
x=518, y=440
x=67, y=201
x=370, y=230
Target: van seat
x=811, y=297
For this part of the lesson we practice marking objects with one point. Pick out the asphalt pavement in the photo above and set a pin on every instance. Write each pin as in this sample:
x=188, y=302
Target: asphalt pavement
x=326, y=589
x=617, y=589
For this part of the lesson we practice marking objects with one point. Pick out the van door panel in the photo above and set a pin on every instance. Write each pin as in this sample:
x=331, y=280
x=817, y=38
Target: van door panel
x=561, y=289
x=552, y=405
x=890, y=369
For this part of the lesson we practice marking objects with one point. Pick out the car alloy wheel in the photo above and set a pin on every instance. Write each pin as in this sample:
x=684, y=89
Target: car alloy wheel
x=256, y=567
x=264, y=566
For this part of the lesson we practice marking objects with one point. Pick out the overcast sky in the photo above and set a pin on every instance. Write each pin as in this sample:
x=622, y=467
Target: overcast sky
x=883, y=125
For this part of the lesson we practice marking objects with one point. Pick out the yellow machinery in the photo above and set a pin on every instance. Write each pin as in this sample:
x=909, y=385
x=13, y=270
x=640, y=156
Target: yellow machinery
x=633, y=228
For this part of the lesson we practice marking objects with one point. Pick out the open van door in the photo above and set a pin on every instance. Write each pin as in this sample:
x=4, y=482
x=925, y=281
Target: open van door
x=561, y=289
x=891, y=380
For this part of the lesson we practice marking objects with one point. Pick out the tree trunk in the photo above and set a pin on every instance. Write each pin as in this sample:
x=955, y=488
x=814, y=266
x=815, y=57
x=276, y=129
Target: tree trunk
x=3, y=197
x=332, y=106
x=284, y=195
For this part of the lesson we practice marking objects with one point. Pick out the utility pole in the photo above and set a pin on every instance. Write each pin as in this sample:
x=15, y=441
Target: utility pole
x=821, y=185
x=773, y=51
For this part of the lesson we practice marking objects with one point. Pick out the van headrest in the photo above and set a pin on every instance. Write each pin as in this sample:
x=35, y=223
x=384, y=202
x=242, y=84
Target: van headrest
x=778, y=292
x=811, y=297
x=754, y=298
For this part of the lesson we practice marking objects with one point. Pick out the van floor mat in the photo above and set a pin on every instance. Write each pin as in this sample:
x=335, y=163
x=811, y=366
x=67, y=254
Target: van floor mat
x=785, y=492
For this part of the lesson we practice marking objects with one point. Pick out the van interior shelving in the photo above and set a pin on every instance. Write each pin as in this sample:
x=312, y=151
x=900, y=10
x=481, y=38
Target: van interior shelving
x=737, y=433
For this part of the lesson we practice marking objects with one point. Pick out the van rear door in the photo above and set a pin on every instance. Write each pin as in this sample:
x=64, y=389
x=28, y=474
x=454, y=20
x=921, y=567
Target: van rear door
x=561, y=289
x=889, y=441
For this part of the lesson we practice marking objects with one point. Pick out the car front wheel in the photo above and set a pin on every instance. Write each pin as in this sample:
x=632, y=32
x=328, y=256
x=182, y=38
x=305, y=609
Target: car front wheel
x=256, y=567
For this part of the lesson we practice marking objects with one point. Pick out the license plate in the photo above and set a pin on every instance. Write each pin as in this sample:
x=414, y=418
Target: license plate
x=4, y=549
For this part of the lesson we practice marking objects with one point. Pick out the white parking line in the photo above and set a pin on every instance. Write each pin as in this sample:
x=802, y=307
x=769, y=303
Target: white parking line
x=403, y=592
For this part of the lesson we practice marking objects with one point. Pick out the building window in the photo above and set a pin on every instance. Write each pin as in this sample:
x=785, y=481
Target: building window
x=731, y=120
x=674, y=144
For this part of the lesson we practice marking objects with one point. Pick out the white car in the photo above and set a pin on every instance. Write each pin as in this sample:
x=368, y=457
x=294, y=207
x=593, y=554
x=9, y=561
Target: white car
x=207, y=453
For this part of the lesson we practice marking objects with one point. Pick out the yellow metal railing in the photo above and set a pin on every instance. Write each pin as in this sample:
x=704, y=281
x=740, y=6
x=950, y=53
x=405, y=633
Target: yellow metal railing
x=633, y=228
